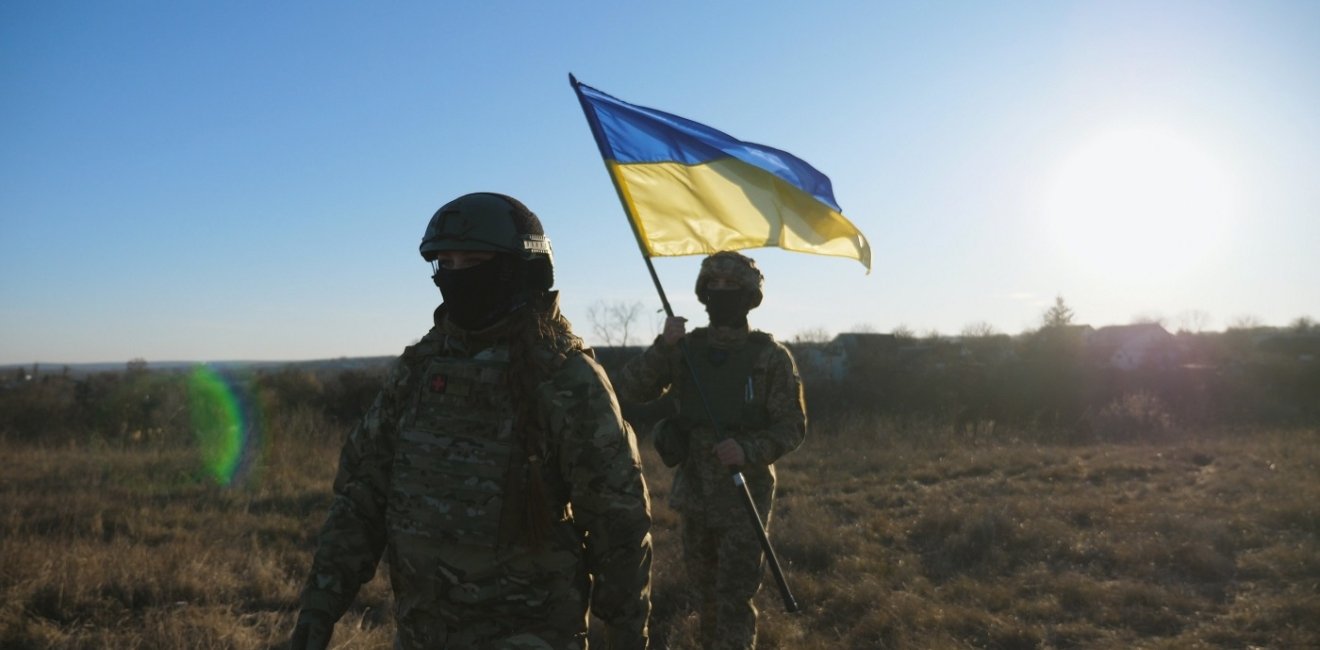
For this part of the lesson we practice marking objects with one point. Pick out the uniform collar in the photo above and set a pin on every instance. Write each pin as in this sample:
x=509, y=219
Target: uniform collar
x=499, y=331
x=727, y=337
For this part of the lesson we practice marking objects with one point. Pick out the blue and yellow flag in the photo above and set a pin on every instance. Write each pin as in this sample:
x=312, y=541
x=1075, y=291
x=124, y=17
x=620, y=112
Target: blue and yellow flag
x=690, y=189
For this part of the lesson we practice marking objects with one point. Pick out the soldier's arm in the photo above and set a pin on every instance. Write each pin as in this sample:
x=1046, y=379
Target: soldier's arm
x=786, y=409
x=353, y=537
x=648, y=375
x=598, y=457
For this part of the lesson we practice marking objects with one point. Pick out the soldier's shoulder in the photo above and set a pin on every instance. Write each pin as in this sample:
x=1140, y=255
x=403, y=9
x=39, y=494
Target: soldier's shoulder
x=771, y=350
x=577, y=379
x=767, y=341
x=416, y=355
x=428, y=345
x=577, y=366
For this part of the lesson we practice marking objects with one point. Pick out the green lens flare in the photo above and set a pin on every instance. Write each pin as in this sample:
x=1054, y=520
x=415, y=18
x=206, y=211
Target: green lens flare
x=218, y=422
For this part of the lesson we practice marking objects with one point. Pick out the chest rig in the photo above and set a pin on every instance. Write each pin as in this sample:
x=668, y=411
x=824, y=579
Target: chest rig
x=731, y=380
x=455, y=450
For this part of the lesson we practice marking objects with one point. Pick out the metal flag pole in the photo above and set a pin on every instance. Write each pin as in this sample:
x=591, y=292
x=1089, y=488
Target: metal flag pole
x=790, y=603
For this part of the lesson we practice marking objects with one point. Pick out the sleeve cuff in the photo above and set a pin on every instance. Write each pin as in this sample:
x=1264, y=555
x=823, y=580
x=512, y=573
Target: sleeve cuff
x=752, y=452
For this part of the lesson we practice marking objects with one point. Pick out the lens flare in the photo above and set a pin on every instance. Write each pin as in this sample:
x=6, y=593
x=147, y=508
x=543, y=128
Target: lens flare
x=224, y=423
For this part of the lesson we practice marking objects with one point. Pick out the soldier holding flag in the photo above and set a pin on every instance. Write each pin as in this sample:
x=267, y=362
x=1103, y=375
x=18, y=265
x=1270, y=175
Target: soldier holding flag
x=752, y=386
x=690, y=189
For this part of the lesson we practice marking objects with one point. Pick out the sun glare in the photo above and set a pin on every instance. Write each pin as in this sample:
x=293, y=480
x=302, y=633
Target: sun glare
x=1139, y=204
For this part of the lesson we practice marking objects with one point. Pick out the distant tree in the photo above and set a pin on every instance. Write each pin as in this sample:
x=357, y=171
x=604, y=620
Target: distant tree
x=349, y=393
x=902, y=331
x=1302, y=324
x=136, y=367
x=613, y=322
x=979, y=329
x=1050, y=385
x=812, y=335
x=1193, y=321
x=932, y=334
x=864, y=328
x=1058, y=315
x=1245, y=322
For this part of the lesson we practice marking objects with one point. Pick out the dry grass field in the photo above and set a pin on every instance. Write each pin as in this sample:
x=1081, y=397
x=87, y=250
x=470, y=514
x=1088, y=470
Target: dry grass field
x=890, y=538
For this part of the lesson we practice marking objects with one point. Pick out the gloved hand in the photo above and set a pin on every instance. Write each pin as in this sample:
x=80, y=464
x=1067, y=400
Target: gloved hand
x=670, y=441
x=312, y=631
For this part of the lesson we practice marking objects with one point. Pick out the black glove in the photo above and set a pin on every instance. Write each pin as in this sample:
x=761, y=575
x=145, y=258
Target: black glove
x=312, y=631
x=671, y=441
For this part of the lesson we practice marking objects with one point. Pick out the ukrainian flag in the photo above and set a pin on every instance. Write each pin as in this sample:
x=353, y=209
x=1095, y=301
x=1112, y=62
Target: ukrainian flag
x=690, y=189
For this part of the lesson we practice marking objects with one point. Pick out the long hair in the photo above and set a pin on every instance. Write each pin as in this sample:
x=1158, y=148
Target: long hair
x=542, y=339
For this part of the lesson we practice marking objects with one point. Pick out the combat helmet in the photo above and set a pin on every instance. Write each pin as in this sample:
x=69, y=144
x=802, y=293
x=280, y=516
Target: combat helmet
x=732, y=266
x=486, y=221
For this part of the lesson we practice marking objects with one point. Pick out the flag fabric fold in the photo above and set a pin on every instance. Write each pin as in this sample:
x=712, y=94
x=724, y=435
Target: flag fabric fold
x=690, y=189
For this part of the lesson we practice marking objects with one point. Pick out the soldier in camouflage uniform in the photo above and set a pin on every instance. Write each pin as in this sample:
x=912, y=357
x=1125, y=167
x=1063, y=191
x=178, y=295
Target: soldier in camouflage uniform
x=494, y=470
x=752, y=385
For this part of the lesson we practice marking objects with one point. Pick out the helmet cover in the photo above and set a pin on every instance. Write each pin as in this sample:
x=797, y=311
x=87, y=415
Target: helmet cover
x=733, y=266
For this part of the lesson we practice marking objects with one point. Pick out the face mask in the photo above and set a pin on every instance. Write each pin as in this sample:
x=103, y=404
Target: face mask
x=727, y=307
x=478, y=295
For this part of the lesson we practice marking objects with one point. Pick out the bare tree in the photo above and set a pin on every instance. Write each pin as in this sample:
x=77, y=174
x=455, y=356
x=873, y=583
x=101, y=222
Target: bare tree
x=812, y=335
x=1245, y=322
x=902, y=331
x=1193, y=320
x=864, y=328
x=979, y=329
x=613, y=322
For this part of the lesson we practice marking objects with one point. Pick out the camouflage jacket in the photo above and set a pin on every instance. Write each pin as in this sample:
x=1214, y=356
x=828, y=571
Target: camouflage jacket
x=481, y=588
x=775, y=425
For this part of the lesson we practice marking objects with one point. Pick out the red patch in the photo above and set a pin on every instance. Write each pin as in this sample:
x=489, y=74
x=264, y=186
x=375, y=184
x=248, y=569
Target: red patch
x=439, y=383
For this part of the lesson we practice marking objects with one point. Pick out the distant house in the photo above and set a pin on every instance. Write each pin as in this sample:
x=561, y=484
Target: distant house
x=1128, y=347
x=834, y=360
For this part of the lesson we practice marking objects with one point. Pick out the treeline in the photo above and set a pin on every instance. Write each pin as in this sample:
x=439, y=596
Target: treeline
x=140, y=404
x=1061, y=380
x=1055, y=381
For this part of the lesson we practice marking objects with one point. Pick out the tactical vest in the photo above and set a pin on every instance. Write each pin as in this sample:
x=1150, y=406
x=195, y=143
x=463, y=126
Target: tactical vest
x=733, y=385
x=455, y=450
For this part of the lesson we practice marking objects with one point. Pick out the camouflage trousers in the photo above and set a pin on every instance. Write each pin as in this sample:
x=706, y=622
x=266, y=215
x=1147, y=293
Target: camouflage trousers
x=725, y=563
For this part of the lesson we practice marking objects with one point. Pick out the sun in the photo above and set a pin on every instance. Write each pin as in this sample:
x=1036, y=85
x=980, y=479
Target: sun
x=1139, y=204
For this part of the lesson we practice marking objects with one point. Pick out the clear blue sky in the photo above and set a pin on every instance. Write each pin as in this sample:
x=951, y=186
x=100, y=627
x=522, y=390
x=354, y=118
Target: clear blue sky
x=250, y=180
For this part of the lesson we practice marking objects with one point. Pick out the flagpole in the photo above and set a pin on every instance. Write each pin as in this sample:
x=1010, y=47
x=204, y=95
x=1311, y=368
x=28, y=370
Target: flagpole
x=599, y=137
x=597, y=133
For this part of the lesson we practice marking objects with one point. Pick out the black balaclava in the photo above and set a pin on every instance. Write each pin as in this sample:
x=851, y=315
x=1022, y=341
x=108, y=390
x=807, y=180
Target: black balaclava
x=727, y=307
x=479, y=295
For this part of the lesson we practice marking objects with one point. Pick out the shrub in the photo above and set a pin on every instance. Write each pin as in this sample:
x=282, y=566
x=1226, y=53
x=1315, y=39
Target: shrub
x=1131, y=417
